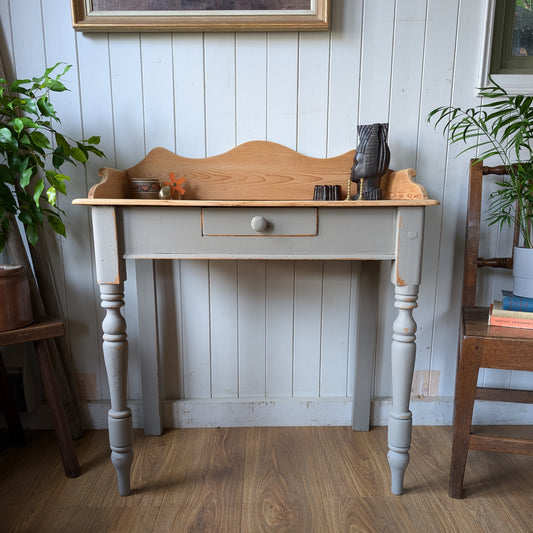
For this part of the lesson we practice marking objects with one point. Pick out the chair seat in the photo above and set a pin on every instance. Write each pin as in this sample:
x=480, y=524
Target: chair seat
x=496, y=346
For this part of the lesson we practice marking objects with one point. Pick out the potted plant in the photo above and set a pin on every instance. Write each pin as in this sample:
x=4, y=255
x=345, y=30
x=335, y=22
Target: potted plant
x=502, y=126
x=32, y=155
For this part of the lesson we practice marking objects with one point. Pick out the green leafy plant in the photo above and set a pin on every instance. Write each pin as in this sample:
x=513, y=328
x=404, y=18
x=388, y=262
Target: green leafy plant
x=501, y=126
x=33, y=152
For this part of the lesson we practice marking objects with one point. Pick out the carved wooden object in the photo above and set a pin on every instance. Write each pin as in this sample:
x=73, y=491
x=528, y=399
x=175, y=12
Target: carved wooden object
x=371, y=160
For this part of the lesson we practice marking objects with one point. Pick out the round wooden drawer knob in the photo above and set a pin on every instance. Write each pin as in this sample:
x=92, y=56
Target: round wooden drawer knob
x=259, y=224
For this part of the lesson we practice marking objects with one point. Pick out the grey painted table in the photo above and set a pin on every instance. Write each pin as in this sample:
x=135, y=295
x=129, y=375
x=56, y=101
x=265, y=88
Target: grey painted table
x=224, y=220
x=128, y=229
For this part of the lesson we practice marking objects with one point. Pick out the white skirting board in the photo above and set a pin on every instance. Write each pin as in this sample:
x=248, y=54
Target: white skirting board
x=306, y=412
x=287, y=412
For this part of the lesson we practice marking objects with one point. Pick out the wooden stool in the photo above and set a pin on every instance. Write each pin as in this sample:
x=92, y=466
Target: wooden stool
x=37, y=333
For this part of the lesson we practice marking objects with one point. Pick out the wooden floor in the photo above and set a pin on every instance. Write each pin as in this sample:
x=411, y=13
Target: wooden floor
x=320, y=479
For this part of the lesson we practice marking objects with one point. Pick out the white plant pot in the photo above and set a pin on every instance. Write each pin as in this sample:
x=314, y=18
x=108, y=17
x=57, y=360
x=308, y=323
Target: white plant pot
x=523, y=272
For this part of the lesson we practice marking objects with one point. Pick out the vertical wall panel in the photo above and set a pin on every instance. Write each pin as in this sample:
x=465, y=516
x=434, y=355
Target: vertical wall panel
x=408, y=56
x=279, y=328
x=335, y=328
x=32, y=62
x=376, y=57
x=345, y=64
x=374, y=105
x=129, y=140
x=80, y=299
x=439, y=56
x=158, y=91
x=313, y=89
x=26, y=23
x=169, y=314
x=494, y=243
x=95, y=83
x=6, y=43
x=224, y=330
x=251, y=323
x=352, y=337
x=250, y=86
x=282, y=88
x=95, y=94
x=159, y=112
x=307, y=331
x=448, y=290
x=189, y=98
x=8, y=61
x=220, y=92
x=195, y=337
x=130, y=312
x=126, y=79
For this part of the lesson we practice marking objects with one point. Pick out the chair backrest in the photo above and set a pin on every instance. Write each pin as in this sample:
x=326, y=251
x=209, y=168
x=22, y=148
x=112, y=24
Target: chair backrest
x=473, y=224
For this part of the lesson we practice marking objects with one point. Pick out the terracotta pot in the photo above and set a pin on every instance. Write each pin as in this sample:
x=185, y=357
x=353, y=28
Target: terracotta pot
x=15, y=302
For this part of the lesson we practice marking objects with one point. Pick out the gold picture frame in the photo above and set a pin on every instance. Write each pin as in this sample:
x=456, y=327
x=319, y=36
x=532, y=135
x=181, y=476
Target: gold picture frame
x=157, y=15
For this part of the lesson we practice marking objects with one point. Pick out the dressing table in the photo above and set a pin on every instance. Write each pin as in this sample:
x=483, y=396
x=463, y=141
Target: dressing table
x=255, y=202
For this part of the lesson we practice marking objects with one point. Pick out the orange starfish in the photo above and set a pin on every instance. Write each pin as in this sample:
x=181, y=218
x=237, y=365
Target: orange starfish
x=175, y=184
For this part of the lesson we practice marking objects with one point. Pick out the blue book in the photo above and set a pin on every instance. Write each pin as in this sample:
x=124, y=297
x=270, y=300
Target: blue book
x=510, y=302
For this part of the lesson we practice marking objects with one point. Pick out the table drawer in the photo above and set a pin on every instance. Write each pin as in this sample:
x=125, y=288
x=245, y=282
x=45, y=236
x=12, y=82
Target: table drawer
x=257, y=222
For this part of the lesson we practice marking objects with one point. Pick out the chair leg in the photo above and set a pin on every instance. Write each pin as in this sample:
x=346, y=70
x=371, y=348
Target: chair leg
x=465, y=393
x=7, y=403
x=59, y=417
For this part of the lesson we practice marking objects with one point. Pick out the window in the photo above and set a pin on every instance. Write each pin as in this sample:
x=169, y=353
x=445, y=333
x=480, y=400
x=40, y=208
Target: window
x=512, y=37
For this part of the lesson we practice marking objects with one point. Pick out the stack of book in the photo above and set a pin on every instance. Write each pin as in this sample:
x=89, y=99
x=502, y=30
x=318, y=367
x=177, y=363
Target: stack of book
x=512, y=312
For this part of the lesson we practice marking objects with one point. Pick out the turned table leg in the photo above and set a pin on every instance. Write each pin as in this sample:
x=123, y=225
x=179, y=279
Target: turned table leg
x=116, y=360
x=403, y=361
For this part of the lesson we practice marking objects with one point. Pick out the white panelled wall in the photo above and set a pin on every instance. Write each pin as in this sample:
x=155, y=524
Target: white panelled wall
x=253, y=342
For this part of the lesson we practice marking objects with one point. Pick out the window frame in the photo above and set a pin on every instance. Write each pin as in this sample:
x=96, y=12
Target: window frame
x=519, y=83
x=502, y=61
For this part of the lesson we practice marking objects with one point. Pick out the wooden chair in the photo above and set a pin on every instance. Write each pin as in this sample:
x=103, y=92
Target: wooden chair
x=484, y=346
x=37, y=333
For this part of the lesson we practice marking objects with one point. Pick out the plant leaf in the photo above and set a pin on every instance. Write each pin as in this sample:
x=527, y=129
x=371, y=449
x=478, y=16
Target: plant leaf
x=5, y=136
x=78, y=155
x=57, y=225
x=51, y=195
x=40, y=140
x=25, y=177
x=18, y=125
x=45, y=107
x=31, y=233
x=39, y=187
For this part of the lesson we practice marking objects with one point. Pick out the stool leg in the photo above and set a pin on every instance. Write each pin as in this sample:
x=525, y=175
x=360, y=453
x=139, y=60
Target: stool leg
x=59, y=417
x=7, y=402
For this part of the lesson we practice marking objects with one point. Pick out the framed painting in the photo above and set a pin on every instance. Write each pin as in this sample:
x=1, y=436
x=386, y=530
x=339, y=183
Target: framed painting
x=200, y=15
